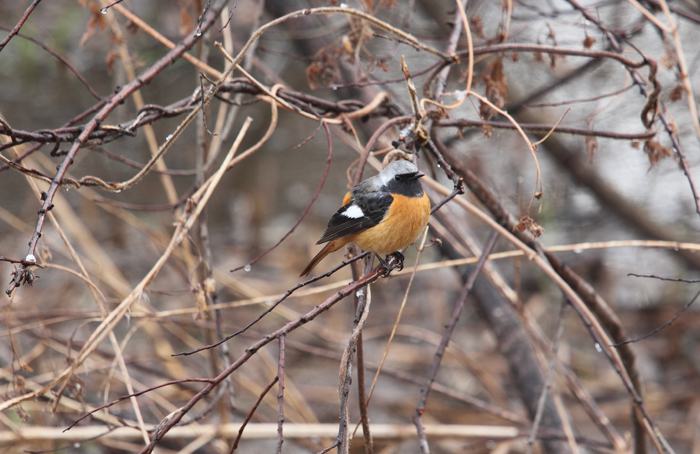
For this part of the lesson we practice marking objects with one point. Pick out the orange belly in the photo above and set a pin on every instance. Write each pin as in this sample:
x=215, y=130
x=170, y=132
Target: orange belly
x=406, y=219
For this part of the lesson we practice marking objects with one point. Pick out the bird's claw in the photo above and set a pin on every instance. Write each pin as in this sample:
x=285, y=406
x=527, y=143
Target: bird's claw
x=388, y=266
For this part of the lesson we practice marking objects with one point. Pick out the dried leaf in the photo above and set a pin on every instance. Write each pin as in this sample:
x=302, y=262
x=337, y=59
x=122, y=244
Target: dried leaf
x=348, y=45
x=553, y=60
x=592, y=147
x=112, y=58
x=656, y=152
x=496, y=88
x=476, y=23
x=676, y=94
x=322, y=72
x=132, y=27
x=526, y=222
x=588, y=42
x=668, y=59
x=97, y=18
x=186, y=21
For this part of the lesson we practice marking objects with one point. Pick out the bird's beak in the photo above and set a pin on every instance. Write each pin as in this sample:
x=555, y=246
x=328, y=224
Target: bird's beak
x=418, y=175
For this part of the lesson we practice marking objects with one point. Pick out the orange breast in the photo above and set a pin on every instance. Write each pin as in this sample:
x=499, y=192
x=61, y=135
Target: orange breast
x=406, y=219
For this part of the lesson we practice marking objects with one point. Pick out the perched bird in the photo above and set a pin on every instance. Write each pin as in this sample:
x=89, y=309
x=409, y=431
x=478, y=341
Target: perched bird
x=383, y=214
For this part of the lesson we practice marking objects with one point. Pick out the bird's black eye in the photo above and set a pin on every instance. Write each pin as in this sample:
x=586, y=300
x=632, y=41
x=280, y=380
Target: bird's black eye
x=397, y=177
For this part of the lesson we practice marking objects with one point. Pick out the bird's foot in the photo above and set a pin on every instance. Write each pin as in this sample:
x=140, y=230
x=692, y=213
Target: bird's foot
x=390, y=265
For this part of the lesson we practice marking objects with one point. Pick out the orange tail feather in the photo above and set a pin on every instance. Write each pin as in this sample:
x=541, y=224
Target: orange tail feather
x=330, y=247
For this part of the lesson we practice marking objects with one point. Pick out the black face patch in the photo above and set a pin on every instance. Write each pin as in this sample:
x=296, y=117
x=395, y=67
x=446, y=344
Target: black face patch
x=406, y=184
x=374, y=207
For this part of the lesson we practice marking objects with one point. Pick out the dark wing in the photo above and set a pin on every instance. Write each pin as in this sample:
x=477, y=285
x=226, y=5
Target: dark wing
x=357, y=215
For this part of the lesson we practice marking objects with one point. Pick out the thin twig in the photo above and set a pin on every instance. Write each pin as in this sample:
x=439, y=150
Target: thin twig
x=548, y=381
x=60, y=58
x=136, y=394
x=432, y=373
x=361, y=391
x=251, y=412
x=361, y=312
x=671, y=320
x=274, y=305
x=250, y=351
x=21, y=22
x=280, y=395
x=306, y=210
x=112, y=103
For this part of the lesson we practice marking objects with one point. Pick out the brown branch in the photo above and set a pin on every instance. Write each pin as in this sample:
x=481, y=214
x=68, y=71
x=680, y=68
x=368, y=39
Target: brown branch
x=140, y=393
x=671, y=320
x=21, y=22
x=306, y=210
x=251, y=412
x=152, y=113
x=280, y=395
x=495, y=48
x=250, y=351
x=127, y=90
x=432, y=373
x=60, y=58
x=19, y=261
x=592, y=300
x=466, y=123
x=274, y=305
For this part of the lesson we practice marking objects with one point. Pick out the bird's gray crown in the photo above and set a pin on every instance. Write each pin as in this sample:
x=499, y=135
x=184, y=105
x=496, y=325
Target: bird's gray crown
x=398, y=167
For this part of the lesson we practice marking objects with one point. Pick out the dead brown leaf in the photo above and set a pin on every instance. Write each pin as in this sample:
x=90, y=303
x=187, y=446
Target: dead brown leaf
x=96, y=19
x=656, y=152
x=496, y=88
x=476, y=24
x=112, y=58
x=676, y=94
x=592, y=147
x=186, y=21
x=322, y=72
x=588, y=42
x=527, y=223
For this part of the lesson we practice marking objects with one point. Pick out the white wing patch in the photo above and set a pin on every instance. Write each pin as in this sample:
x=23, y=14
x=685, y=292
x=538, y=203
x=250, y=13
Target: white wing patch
x=353, y=212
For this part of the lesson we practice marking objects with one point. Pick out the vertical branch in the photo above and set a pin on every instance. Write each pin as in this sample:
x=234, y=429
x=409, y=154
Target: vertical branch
x=441, y=81
x=363, y=304
x=432, y=373
x=548, y=383
x=280, y=396
x=361, y=394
